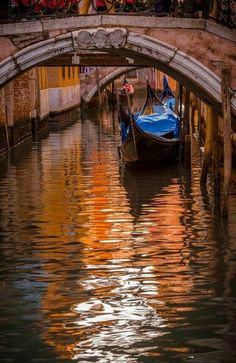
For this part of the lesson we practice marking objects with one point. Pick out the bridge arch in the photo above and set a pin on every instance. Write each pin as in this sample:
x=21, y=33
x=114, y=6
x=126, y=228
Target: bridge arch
x=155, y=53
x=105, y=81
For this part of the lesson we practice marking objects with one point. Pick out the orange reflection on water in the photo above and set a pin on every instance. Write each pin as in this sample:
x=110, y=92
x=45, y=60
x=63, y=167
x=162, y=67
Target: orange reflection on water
x=126, y=243
x=103, y=263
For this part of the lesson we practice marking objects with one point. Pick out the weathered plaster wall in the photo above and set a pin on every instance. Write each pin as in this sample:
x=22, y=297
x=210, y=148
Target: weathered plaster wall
x=44, y=108
x=63, y=98
x=7, y=48
x=64, y=88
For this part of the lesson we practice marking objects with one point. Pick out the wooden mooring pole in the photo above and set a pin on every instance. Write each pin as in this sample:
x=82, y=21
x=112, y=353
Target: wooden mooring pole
x=225, y=75
x=179, y=112
x=177, y=99
x=6, y=130
x=208, y=147
x=216, y=152
x=186, y=111
x=186, y=127
x=193, y=109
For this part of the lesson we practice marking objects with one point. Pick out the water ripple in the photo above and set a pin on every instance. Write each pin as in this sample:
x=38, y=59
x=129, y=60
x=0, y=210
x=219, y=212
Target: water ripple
x=103, y=263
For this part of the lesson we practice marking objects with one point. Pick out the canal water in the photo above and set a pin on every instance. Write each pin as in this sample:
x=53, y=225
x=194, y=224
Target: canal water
x=109, y=264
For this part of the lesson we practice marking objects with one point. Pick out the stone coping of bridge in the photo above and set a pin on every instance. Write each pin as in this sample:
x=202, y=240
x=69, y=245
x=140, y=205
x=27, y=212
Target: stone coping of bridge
x=89, y=21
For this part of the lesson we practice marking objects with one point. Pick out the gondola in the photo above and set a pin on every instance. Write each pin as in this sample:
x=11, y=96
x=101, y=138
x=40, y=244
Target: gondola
x=151, y=135
x=167, y=96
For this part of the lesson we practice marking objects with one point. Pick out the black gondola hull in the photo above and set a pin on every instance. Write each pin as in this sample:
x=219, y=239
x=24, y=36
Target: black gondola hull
x=142, y=148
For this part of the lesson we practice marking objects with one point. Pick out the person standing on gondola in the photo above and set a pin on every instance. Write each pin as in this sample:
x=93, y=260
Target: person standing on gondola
x=127, y=88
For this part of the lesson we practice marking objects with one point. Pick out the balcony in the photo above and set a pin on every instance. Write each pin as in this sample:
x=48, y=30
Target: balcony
x=221, y=11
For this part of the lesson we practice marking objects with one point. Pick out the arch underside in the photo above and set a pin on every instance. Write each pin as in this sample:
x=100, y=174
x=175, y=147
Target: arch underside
x=151, y=52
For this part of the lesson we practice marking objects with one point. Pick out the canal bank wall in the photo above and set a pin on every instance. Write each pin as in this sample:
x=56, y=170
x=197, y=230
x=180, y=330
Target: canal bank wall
x=36, y=102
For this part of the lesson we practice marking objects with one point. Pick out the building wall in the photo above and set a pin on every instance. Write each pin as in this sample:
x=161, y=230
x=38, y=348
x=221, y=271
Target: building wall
x=153, y=75
x=44, y=108
x=171, y=81
x=148, y=74
x=64, y=98
x=27, y=101
x=64, y=88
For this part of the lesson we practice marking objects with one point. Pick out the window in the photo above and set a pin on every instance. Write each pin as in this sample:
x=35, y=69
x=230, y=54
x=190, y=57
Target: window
x=63, y=73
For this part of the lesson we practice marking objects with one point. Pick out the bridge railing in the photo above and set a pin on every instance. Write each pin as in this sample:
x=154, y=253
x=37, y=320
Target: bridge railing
x=221, y=11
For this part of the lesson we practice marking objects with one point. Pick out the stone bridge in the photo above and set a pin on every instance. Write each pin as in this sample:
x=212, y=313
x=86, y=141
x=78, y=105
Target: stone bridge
x=193, y=51
x=100, y=79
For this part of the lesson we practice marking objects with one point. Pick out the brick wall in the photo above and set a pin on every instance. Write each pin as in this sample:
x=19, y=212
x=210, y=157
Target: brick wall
x=22, y=97
x=17, y=101
x=24, y=104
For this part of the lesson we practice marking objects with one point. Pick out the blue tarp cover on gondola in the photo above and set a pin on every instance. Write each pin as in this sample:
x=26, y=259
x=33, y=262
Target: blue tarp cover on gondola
x=170, y=102
x=167, y=96
x=163, y=121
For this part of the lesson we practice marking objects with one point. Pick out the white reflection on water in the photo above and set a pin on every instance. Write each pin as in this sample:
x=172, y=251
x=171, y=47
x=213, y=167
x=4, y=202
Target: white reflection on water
x=119, y=322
